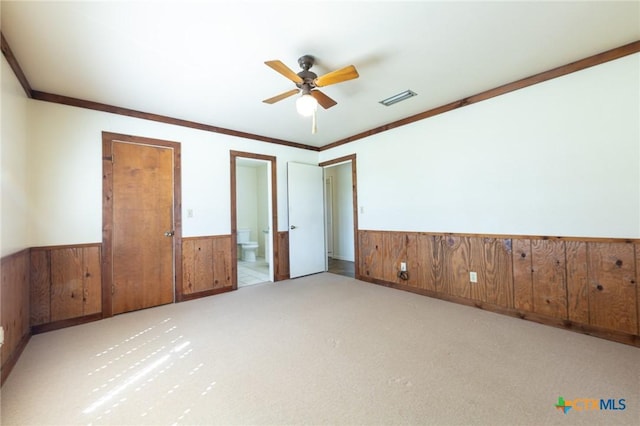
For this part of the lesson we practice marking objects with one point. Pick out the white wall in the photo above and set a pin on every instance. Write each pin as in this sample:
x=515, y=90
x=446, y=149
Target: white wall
x=66, y=165
x=558, y=158
x=14, y=199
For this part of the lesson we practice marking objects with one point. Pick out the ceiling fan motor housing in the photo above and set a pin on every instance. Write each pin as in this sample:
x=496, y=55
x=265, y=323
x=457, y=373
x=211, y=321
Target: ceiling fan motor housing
x=307, y=76
x=306, y=62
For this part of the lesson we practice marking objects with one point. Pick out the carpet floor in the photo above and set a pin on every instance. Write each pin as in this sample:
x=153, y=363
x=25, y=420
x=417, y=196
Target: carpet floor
x=322, y=349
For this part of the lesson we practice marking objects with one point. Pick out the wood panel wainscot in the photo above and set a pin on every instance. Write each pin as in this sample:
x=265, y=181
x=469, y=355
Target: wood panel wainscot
x=14, y=312
x=206, y=266
x=281, y=256
x=65, y=286
x=584, y=284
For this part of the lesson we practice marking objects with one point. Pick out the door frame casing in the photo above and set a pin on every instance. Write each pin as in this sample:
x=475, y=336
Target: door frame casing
x=233, y=155
x=107, y=214
x=354, y=186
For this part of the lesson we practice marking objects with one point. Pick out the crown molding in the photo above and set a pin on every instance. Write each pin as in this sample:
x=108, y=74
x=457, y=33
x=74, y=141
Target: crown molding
x=597, y=59
x=15, y=66
x=81, y=103
x=600, y=58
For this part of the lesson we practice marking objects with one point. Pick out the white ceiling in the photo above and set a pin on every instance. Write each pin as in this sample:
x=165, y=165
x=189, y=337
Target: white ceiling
x=203, y=61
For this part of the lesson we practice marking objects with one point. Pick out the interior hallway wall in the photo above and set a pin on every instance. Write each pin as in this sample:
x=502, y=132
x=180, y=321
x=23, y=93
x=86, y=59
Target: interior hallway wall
x=342, y=223
x=560, y=157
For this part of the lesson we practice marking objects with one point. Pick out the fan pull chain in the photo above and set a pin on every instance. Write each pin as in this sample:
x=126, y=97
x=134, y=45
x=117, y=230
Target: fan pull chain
x=314, y=127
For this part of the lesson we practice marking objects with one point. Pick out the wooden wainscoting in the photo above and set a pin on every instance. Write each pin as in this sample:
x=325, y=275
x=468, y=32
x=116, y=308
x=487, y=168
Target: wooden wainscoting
x=14, y=287
x=65, y=286
x=206, y=266
x=281, y=256
x=588, y=285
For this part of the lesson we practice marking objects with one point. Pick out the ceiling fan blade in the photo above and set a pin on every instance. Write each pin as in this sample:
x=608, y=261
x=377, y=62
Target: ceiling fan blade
x=324, y=101
x=284, y=70
x=280, y=97
x=338, y=76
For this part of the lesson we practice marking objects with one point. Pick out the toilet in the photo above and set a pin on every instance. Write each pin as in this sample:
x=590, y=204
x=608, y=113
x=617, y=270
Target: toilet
x=248, y=248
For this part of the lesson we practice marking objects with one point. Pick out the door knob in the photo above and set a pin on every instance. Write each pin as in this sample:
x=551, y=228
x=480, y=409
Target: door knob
x=169, y=233
x=293, y=227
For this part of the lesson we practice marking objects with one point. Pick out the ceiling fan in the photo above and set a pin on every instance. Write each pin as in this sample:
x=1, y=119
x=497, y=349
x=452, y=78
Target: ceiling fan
x=307, y=82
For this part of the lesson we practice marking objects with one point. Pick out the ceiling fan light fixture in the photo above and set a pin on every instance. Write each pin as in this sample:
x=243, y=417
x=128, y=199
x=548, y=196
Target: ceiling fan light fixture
x=398, y=98
x=306, y=105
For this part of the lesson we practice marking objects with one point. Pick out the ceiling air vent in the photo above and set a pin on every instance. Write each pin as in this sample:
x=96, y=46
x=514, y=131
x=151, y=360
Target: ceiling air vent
x=398, y=98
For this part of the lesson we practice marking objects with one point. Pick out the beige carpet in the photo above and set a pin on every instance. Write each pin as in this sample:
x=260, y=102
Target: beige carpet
x=323, y=349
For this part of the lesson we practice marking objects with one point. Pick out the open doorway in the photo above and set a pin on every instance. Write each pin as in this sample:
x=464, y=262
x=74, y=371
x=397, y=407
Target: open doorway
x=252, y=217
x=341, y=216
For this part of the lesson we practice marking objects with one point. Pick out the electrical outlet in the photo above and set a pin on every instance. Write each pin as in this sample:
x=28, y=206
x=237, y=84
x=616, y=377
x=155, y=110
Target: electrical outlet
x=403, y=267
x=473, y=277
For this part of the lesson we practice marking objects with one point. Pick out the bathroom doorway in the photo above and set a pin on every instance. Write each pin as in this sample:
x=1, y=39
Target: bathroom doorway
x=341, y=215
x=252, y=217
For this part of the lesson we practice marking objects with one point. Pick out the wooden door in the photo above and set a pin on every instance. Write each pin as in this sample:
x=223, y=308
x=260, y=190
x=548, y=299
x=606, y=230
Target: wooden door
x=143, y=226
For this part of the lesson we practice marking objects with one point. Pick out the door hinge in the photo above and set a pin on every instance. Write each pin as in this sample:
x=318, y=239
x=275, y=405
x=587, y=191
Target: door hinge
x=113, y=289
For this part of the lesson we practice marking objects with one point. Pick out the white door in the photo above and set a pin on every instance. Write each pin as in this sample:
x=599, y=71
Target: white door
x=306, y=219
